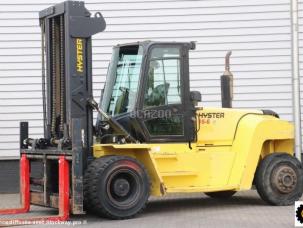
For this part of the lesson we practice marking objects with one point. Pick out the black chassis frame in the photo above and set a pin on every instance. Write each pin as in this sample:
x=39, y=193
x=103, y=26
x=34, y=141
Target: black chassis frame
x=78, y=23
x=136, y=126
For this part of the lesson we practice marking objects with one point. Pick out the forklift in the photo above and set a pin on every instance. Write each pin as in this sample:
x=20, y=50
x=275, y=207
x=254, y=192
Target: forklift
x=150, y=138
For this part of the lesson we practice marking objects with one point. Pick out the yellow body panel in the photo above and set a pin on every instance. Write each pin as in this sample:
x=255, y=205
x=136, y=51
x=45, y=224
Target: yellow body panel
x=230, y=143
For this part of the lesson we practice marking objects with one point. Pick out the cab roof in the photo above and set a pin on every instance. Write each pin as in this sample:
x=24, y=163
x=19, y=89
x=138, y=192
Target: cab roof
x=147, y=43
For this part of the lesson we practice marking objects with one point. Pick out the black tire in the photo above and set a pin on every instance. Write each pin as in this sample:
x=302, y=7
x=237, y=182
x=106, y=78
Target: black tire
x=87, y=180
x=220, y=195
x=279, y=179
x=116, y=187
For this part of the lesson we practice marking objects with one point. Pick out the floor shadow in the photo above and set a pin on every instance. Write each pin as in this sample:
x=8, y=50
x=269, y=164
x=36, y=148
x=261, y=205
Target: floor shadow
x=174, y=204
x=200, y=202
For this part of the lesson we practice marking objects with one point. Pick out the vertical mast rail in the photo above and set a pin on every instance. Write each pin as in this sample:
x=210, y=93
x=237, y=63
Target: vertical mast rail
x=296, y=77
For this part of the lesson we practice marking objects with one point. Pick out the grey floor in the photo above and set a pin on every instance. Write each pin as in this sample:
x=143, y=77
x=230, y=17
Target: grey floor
x=245, y=209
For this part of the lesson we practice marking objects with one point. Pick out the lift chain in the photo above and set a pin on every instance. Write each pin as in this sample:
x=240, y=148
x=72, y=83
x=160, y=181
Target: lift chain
x=62, y=75
x=53, y=78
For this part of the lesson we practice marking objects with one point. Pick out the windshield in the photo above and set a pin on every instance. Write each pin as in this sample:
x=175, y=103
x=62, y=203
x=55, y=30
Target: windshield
x=122, y=80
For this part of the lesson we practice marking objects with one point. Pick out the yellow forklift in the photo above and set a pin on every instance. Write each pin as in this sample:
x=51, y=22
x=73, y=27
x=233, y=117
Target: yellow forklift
x=150, y=137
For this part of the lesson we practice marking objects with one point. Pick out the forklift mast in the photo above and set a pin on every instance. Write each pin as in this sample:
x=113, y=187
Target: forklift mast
x=67, y=29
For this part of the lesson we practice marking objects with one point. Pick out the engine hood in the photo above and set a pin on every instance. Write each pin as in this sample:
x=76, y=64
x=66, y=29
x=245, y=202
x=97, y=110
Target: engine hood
x=217, y=126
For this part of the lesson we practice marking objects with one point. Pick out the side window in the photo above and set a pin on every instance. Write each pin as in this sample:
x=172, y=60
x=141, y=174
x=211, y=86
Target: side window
x=163, y=85
x=165, y=126
x=163, y=88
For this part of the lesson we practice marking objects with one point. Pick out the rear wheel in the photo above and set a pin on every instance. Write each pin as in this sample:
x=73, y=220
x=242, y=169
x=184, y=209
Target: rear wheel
x=279, y=179
x=116, y=187
x=220, y=195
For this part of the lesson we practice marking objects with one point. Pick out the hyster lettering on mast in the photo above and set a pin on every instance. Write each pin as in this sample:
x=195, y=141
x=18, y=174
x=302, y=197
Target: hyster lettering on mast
x=150, y=137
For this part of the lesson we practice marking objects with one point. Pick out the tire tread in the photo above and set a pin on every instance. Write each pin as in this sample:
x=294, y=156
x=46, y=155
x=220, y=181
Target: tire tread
x=91, y=177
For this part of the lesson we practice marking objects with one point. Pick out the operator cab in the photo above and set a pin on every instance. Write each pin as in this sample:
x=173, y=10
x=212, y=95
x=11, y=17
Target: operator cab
x=147, y=93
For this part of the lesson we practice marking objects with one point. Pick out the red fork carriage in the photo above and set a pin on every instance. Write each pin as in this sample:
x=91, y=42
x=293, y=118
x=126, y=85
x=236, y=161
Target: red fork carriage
x=27, y=195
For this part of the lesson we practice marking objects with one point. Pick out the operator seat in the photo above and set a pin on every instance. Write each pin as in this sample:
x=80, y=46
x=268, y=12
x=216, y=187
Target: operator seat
x=158, y=95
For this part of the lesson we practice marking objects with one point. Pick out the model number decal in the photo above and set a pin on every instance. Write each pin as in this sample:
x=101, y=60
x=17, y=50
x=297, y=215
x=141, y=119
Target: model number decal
x=79, y=48
x=204, y=121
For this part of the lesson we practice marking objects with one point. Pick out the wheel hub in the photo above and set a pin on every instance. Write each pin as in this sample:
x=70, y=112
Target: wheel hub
x=121, y=187
x=285, y=179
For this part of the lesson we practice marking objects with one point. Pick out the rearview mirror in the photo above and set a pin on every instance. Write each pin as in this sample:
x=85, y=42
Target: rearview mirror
x=195, y=97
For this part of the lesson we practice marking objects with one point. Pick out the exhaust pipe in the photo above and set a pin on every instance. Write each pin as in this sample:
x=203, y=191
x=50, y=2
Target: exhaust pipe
x=227, y=84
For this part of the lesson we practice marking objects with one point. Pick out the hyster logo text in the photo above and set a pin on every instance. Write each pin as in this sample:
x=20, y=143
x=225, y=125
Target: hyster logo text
x=79, y=44
x=210, y=115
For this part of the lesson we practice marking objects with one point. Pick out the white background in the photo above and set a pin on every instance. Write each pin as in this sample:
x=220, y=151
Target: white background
x=258, y=32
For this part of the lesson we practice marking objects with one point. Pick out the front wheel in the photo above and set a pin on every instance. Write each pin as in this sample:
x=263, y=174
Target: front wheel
x=116, y=187
x=279, y=179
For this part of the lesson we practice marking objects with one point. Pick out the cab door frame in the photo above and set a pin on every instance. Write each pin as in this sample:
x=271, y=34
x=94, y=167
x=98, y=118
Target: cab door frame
x=186, y=108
